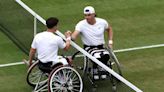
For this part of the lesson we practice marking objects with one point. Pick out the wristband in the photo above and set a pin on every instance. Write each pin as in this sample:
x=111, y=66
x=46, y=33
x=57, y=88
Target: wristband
x=68, y=38
x=110, y=42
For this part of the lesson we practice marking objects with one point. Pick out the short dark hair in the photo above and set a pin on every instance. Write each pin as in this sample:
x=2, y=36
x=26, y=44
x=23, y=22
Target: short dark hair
x=51, y=22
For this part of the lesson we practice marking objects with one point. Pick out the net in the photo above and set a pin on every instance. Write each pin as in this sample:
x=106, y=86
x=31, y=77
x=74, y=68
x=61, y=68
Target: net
x=17, y=24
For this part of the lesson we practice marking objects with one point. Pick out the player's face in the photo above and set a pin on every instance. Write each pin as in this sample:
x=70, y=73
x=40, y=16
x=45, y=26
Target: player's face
x=89, y=17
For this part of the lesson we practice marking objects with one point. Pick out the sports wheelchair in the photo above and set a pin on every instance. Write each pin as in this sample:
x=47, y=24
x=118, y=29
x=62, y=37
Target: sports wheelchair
x=89, y=66
x=62, y=78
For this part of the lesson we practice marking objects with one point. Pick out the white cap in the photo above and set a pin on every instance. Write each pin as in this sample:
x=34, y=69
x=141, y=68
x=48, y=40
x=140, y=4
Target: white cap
x=89, y=10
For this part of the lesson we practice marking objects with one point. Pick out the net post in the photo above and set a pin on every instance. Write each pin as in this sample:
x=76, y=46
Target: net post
x=35, y=25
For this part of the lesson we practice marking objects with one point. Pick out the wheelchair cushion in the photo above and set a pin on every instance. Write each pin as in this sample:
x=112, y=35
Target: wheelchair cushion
x=45, y=67
x=100, y=54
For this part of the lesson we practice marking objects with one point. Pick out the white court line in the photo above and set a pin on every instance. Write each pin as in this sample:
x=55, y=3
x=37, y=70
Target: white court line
x=135, y=48
x=11, y=64
x=139, y=48
x=116, y=51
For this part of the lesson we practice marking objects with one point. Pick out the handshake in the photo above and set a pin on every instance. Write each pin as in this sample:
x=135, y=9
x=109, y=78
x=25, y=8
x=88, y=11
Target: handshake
x=68, y=35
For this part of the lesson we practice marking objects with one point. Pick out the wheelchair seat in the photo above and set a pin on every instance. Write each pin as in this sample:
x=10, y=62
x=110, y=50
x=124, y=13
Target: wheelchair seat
x=49, y=66
x=45, y=67
x=102, y=55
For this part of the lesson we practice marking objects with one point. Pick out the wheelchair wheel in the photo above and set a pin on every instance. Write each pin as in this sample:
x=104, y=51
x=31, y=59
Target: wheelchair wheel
x=114, y=62
x=65, y=79
x=33, y=75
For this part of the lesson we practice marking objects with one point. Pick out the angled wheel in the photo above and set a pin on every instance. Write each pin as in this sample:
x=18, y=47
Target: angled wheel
x=33, y=75
x=115, y=63
x=65, y=79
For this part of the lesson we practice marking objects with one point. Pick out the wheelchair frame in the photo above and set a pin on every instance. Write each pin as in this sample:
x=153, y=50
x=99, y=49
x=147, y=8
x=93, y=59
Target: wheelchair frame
x=61, y=79
x=43, y=81
x=111, y=62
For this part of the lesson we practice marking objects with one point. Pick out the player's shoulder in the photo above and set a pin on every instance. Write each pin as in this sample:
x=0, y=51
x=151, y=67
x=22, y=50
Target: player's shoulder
x=57, y=37
x=100, y=19
x=81, y=22
x=38, y=34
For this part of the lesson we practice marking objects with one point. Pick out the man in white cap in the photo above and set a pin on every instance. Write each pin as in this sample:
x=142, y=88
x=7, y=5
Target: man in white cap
x=92, y=31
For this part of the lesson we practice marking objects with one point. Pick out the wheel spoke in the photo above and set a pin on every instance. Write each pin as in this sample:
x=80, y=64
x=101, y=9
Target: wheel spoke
x=69, y=75
x=56, y=80
x=75, y=90
x=65, y=80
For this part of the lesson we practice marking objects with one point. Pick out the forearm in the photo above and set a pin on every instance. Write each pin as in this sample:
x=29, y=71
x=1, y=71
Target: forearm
x=68, y=40
x=74, y=35
x=110, y=37
x=31, y=55
x=110, y=33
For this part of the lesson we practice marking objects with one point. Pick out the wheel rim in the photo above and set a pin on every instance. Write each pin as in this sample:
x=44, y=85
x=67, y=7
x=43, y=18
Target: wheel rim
x=66, y=79
x=33, y=75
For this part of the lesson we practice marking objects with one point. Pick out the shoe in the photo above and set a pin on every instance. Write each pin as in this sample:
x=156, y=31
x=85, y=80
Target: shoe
x=95, y=74
x=96, y=77
x=103, y=73
x=103, y=76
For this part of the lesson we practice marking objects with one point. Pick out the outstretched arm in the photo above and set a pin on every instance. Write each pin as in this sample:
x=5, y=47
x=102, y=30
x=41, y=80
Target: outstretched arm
x=74, y=35
x=68, y=40
x=110, y=37
x=70, y=36
x=67, y=43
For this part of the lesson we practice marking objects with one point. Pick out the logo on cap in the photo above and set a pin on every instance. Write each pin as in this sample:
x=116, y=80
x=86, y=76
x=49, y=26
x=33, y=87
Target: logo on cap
x=89, y=10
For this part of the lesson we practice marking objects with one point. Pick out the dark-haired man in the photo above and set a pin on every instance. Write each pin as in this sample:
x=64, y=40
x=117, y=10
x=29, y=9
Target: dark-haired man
x=46, y=44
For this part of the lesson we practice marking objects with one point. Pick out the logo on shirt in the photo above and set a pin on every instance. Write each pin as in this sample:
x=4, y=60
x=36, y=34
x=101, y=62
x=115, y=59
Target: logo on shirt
x=100, y=28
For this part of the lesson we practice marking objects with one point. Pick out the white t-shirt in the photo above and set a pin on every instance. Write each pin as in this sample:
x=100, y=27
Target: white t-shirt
x=47, y=44
x=92, y=34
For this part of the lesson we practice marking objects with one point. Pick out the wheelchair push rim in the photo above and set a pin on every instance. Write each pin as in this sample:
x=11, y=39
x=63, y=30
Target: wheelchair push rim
x=33, y=75
x=65, y=79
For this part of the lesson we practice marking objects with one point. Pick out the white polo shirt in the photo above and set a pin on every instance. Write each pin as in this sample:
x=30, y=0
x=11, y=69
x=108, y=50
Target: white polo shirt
x=92, y=34
x=47, y=44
